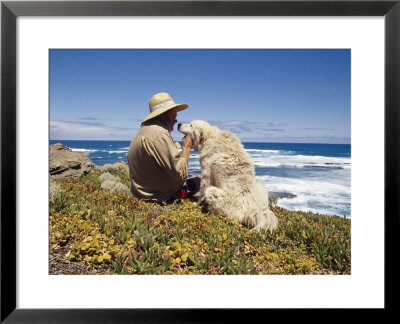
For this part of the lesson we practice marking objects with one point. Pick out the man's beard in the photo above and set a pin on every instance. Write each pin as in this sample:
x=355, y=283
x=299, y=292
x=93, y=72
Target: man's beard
x=170, y=125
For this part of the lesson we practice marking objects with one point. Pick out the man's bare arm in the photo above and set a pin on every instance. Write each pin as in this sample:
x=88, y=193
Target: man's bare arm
x=187, y=144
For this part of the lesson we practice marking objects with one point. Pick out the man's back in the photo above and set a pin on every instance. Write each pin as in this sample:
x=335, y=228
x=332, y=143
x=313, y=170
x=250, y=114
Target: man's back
x=156, y=169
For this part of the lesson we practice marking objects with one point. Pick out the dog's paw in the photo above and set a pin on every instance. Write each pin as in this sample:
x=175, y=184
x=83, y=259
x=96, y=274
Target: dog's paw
x=203, y=204
x=201, y=201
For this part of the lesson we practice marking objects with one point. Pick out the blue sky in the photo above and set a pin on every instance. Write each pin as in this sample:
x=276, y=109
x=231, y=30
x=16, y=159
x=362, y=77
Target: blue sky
x=293, y=96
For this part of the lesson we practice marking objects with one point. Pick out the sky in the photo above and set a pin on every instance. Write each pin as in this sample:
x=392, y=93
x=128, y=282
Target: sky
x=261, y=95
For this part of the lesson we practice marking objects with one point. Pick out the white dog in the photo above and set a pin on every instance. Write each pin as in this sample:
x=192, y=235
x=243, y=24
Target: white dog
x=228, y=184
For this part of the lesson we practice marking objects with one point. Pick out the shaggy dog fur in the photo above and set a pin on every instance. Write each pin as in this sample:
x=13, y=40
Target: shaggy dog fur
x=228, y=184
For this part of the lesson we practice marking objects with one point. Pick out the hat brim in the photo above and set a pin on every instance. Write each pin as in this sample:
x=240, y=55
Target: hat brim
x=158, y=112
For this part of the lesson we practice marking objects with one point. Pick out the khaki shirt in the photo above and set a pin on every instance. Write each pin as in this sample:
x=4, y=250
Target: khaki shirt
x=156, y=169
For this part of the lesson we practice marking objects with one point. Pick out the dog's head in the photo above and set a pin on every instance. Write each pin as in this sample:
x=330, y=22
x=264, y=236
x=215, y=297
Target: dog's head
x=197, y=130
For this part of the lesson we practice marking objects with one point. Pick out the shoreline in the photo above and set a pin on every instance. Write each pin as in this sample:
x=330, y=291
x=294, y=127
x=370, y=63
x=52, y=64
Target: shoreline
x=274, y=197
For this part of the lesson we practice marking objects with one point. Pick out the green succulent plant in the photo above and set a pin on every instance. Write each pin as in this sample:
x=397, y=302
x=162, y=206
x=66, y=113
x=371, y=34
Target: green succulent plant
x=118, y=234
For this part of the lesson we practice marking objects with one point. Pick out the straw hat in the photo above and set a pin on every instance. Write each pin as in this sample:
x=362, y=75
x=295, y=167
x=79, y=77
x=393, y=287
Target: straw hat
x=160, y=103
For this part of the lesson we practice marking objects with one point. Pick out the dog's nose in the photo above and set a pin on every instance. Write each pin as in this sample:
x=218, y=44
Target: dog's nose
x=179, y=125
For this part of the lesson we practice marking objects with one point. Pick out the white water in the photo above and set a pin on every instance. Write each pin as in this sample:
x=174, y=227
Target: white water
x=321, y=184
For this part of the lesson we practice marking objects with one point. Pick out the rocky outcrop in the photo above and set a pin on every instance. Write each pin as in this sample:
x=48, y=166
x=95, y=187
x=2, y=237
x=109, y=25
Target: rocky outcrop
x=274, y=196
x=65, y=163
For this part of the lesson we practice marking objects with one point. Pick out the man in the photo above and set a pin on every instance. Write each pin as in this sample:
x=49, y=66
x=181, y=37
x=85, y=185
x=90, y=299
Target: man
x=157, y=168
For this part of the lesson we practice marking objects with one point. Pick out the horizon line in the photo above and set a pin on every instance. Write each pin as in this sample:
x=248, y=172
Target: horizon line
x=99, y=140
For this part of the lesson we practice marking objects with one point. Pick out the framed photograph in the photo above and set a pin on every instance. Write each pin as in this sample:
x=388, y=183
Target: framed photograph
x=329, y=69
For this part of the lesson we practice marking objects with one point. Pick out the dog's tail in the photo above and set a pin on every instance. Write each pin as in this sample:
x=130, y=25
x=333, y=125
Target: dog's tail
x=269, y=222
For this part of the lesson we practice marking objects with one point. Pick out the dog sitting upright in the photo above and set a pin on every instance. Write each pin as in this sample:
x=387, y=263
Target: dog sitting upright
x=228, y=183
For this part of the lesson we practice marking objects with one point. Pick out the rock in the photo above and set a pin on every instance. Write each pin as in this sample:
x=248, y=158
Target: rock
x=273, y=196
x=65, y=163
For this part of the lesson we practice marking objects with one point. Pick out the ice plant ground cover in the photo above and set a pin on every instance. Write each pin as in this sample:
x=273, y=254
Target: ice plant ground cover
x=96, y=231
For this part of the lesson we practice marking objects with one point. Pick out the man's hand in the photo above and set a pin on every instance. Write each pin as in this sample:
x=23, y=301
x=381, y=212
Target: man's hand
x=187, y=141
x=187, y=144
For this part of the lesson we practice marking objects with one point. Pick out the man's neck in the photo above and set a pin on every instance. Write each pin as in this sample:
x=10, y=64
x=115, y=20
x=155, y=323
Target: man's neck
x=158, y=123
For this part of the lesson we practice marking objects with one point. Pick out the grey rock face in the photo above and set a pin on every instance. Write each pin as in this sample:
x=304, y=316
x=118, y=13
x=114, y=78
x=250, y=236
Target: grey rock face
x=65, y=163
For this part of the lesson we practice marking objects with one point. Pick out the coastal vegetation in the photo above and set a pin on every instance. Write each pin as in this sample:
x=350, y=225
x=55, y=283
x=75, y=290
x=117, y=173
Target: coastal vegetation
x=98, y=227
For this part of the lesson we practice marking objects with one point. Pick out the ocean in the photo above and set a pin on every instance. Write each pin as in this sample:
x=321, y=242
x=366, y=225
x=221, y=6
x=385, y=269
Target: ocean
x=319, y=175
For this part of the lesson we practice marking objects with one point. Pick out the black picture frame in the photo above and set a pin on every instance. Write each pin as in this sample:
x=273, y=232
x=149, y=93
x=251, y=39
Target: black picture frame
x=10, y=10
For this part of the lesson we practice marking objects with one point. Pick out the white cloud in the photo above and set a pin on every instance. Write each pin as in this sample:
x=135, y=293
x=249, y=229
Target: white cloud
x=249, y=131
x=246, y=131
x=67, y=130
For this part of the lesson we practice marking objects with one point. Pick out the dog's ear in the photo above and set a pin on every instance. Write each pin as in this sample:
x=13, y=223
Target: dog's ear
x=201, y=138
